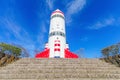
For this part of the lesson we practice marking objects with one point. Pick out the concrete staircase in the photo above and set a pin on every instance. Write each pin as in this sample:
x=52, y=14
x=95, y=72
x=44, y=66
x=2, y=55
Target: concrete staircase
x=59, y=69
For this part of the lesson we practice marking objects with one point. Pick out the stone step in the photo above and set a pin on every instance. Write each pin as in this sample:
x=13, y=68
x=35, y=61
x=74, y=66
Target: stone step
x=60, y=60
x=59, y=66
x=66, y=79
x=59, y=69
x=58, y=75
x=69, y=60
x=65, y=65
x=20, y=71
x=59, y=63
x=62, y=64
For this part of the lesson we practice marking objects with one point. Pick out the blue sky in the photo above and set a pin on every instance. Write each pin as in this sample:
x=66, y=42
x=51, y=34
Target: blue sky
x=90, y=24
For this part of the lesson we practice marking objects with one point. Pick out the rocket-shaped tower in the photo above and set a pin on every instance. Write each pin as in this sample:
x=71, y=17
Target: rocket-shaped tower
x=56, y=46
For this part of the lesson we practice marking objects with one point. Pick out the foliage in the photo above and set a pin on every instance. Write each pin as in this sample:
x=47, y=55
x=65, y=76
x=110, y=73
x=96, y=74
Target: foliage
x=24, y=52
x=10, y=49
x=112, y=59
x=111, y=50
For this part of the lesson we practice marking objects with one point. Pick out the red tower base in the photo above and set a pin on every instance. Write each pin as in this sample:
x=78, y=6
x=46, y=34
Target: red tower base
x=69, y=54
x=45, y=54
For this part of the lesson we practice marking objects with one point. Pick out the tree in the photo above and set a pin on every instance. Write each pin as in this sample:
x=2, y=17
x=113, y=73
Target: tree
x=111, y=50
x=118, y=44
x=105, y=52
x=80, y=52
x=24, y=52
x=10, y=49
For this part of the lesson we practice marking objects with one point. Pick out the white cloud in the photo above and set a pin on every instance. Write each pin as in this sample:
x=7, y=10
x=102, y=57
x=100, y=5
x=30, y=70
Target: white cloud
x=19, y=33
x=21, y=36
x=14, y=33
x=43, y=28
x=50, y=4
x=74, y=7
x=41, y=35
x=104, y=23
x=12, y=28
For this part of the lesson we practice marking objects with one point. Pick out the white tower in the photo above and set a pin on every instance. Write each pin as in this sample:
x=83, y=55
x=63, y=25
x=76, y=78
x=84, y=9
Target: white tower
x=57, y=37
x=56, y=46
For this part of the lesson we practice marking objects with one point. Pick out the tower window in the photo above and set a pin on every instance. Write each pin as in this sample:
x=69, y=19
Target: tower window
x=61, y=33
x=57, y=15
x=53, y=33
x=56, y=49
x=57, y=44
x=57, y=33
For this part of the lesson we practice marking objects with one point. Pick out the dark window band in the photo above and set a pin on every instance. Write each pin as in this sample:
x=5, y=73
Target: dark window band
x=57, y=15
x=57, y=33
